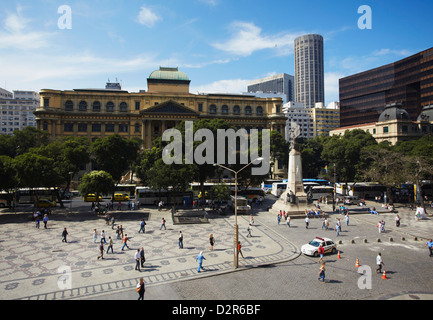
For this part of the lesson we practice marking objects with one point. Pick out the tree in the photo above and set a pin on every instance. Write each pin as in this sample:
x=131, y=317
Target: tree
x=69, y=154
x=115, y=155
x=7, y=176
x=34, y=171
x=385, y=166
x=345, y=152
x=96, y=182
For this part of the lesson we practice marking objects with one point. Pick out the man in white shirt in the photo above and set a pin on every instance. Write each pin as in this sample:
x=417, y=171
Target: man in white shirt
x=137, y=260
x=379, y=262
x=307, y=222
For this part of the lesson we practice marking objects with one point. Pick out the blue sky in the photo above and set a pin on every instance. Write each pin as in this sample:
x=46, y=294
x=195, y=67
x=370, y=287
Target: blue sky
x=219, y=44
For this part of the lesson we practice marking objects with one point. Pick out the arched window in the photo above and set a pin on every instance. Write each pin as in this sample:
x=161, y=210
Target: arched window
x=110, y=106
x=69, y=106
x=224, y=109
x=248, y=110
x=82, y=106
x=236, y=110
x=123, y=107
x=212, y=108
x=259, y=111
x=96, y=107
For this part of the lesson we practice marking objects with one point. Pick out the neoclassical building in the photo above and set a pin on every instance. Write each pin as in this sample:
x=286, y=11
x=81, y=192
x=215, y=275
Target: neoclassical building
x=96, y=113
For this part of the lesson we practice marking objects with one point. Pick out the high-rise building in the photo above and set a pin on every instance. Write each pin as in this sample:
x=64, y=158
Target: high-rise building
x=409, y=82
x=17, y=110
x=309, y=70
x=278, y=84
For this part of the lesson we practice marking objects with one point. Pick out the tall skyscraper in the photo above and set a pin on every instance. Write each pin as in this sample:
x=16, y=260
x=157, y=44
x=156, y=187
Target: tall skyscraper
x=363, y=96
x=309, y=70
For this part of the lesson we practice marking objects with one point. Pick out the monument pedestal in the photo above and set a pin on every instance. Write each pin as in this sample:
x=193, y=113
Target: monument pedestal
x=294, y=200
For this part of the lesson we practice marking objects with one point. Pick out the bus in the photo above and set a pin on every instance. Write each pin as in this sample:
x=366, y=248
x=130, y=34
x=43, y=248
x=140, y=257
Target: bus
x=242, y=204
x=28, y=195
x=366, y=190
x=266, y=185
x=278, y=188
x=321, y=182
x=253, y=194
x=128, y=189
x=195, y=187
x=318, y=192
x=147, y=196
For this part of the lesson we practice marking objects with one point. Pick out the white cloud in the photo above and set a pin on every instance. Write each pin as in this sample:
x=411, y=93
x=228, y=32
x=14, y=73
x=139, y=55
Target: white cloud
x=247, y=38
x=15, y=33
x=382, y=52
x=222, y=86
x=147, y=17
x=332, y=86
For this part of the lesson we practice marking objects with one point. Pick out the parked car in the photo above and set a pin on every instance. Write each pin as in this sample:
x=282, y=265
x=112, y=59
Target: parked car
x=91, y=197
x=45, y=203
x=312, y=248
x=120, y=197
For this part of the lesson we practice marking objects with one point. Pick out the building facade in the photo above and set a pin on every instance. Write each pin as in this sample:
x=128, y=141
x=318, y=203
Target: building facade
x=325, y=118
x=278, y=84
x=317, y=121
x=408, y=81
x=395, y=125
x=309, y=70
x=97, y=113
x=17, y=110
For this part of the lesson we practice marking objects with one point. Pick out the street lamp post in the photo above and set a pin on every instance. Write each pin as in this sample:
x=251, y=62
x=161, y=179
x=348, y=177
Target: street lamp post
x=236, y=229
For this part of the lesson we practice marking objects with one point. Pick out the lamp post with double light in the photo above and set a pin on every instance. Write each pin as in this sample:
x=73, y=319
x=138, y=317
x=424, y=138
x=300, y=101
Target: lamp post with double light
x=236, y=229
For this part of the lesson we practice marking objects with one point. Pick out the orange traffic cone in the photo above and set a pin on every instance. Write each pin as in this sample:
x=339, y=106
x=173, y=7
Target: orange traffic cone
x=357, y=263
x=384, y=274
x=339, y=256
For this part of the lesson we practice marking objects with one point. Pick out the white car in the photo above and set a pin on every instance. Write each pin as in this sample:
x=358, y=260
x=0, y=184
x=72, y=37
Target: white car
x=312, y=248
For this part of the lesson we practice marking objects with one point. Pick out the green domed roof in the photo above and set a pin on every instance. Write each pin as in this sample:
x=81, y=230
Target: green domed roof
x=168, y=74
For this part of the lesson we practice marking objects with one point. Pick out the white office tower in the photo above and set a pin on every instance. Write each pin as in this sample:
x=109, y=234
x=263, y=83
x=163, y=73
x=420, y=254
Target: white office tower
x=309, y=70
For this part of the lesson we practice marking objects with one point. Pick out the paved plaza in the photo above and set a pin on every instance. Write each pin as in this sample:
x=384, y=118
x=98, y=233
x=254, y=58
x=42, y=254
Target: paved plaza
x=37, y=265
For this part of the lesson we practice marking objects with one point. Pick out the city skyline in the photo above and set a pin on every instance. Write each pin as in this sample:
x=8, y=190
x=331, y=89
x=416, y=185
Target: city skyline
x=220, y=45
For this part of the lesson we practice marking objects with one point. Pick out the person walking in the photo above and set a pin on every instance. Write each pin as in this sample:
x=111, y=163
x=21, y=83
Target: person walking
x=211, y=241
x=142, y=226
x=397, y=221
x=337, y=229
x=64, y=234
x=307, y=222
x=322, y=271
x=288, y=221
x=95, y=235
x=112, y=222
x=103, y=236
x=180, y=240
x=200, y=259
x=45, y=221
x=379, y=262
x=346, y=218
x=429, y=244
x=163, y=224
x=240, y=249
x=250, y=230
x=140, y=289
x=118, y=233
x=142, y=257
x=101, y=250
x=321, y=251
x=137, y=260
x=279, y=218
x=110, y=244
x=125, y=240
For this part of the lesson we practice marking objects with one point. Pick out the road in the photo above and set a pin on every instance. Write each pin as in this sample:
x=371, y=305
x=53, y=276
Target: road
x=273, y=268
